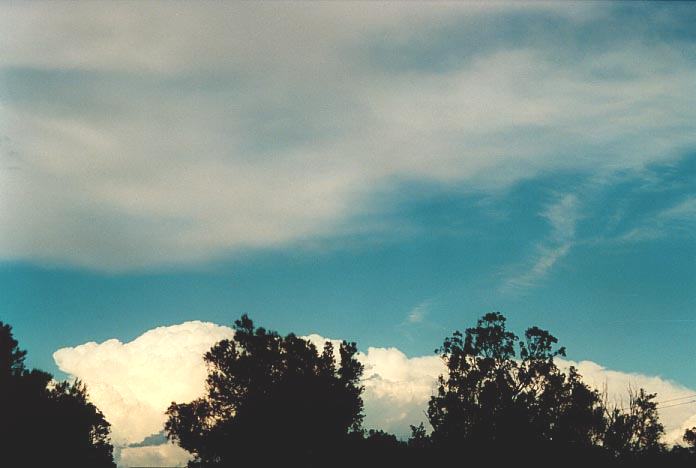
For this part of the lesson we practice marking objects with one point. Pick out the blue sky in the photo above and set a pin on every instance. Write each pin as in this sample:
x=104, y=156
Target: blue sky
x=623, y=295
x=383, y=173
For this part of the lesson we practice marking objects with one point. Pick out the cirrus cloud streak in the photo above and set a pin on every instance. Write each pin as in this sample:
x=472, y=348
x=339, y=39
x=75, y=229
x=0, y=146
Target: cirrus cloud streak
x=201, y=132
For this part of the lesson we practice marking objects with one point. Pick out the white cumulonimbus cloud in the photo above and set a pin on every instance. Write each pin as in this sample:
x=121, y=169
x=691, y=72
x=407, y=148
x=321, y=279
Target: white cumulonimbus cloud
x=133, y=383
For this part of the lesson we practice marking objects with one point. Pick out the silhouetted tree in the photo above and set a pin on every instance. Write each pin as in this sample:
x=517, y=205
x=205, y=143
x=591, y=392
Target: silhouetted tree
x=635, y=431
x=419, y=437
x=490, y=398
x=271, y=400
x=43, y=422
x=380, y=449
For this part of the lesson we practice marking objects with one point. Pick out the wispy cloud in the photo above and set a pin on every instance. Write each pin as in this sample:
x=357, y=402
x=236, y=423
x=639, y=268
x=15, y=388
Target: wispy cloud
x=188, y=143
x=685, y=210
x=562, y=216
x=418, y=313
x=680, y=216
x=420, y=318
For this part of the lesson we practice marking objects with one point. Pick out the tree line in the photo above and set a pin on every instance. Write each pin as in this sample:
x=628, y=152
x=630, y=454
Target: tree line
x=275, y=400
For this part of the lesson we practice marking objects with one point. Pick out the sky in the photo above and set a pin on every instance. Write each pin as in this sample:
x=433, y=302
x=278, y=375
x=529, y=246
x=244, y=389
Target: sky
x=379, y=172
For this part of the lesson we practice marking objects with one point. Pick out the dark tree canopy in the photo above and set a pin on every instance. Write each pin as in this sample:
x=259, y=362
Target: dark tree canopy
x=271, y=398
x=636, y=431
x=503, y=401
x=44, y=423
x=503, y=391
x=690, y=437
x=279, y=401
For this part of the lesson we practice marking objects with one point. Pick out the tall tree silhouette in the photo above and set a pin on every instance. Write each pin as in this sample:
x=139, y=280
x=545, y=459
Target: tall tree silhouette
x=46, y=423
x=270, y=400
x=491, y=398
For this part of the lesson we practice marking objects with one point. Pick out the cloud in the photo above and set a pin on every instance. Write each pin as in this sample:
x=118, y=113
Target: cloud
x=562, y=216
x=684, y=210
x=187, y=133
x=397, y=388
x=680, y=216
x=156, y=455
x=418, y=313
x=675, y=419
x=133, y=383
x=115, y=38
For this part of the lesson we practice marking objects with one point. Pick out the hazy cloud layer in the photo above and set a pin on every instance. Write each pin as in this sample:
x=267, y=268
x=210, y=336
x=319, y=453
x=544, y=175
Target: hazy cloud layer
x=156, y=455
x=133, y=383
x=178, y=133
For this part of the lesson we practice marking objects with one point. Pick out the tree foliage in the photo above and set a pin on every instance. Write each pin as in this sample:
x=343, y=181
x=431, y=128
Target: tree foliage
x=46, y=423
x=270, y=398
x=279, y=401
x=503, y=400
x=690, y=437
x=504, y=391
x=490, y=396
x=635, y=431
